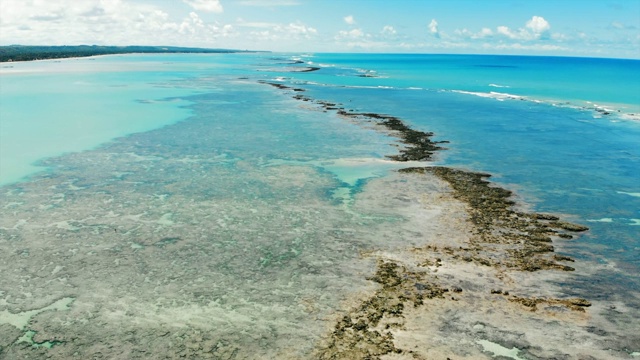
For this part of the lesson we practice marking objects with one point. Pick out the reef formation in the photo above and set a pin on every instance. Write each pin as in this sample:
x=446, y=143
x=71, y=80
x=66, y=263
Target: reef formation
x=502, y=239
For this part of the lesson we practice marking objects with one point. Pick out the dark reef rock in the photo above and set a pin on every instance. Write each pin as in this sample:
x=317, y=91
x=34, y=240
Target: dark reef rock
x=418, y=144
x=308, y=69
x=354, y=336
x=520, y=240
x=576, y=304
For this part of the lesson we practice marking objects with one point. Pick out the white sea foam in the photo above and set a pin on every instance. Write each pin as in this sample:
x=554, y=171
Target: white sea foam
x=368, y=87
x=603, y=220
x=633, y=117
x=499, y=86
x=493, y=95
x=634, y=222
x=600, y=111
x=634, y=194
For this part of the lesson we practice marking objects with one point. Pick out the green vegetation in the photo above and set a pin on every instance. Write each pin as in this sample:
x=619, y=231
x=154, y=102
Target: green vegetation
x=27, y=53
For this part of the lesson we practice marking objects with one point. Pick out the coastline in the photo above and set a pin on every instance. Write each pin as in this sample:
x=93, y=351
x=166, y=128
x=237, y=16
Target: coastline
x=20, y=53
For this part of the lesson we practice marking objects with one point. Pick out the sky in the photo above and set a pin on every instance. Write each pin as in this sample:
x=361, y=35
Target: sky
x=595, y=28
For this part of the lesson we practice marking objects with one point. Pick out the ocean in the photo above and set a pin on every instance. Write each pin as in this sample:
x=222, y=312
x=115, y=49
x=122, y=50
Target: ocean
x=207, y=205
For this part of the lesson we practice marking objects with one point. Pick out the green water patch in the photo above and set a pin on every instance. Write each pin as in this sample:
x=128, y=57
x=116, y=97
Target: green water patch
x=21, y=321
x=28, y=339
x=499, y=350
x=351, y=173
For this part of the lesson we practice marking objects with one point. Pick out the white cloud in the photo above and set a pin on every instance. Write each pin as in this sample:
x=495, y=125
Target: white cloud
x=367, y=45
x=559, y=37
x=388, y=30
x=536, y=28
x=267, y=3
x=350, y=20
x=533, y=47
x=205, y=5
x=192, y=23
x=484, y=33
x=254, y=24
x=433, y=27
x=300, y=29
x=297, y=28
x=352, y=34
x=504, y=30
x=274, y=32
x=105, y=22
x=538, y=25
x=617, y=25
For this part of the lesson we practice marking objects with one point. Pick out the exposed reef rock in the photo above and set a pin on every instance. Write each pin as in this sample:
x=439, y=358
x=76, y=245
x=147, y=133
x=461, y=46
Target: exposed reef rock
x=518, y=240
x=575, y=304
x=364, y=332
x=309, y=69
x=418, y=144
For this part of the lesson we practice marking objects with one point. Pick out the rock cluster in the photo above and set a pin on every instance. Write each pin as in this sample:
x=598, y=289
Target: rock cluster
x=517, y=240
x=364, y=332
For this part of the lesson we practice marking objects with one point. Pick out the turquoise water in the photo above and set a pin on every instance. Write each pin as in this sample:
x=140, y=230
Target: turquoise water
x=176, y=191
x=579, y=81
x=53, y=107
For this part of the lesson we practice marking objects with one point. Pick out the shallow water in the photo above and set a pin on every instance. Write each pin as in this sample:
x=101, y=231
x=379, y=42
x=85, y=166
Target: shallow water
x=208, y=210
x=225, y=225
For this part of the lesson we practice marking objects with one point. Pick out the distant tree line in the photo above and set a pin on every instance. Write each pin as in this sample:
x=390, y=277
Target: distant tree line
x=26, y=53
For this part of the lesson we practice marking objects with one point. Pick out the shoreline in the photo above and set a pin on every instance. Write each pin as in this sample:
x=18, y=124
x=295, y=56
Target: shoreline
x=22, y=53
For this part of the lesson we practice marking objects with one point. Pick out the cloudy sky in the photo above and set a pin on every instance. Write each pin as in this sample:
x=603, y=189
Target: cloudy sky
x=608, y=28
